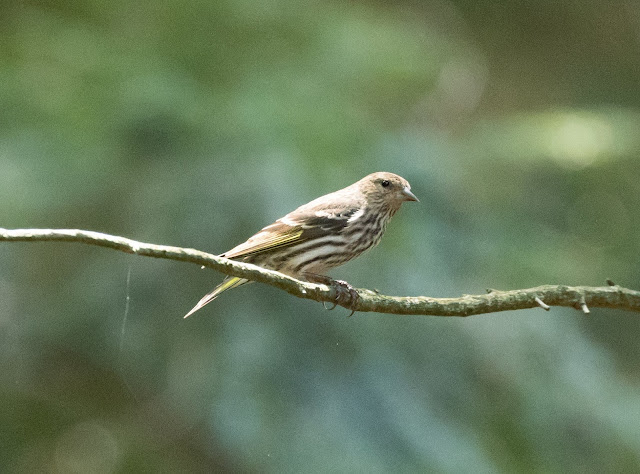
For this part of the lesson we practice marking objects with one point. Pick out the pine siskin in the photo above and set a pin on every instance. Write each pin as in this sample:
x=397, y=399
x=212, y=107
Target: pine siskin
x=323, y=233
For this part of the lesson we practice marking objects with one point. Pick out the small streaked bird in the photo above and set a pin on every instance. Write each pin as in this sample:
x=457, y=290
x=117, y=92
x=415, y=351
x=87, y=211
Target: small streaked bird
x=322, y=234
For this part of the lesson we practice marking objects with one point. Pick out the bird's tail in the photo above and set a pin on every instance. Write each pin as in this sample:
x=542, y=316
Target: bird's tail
x=227, y=284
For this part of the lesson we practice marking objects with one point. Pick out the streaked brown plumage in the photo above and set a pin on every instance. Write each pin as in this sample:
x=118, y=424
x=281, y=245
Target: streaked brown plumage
x=323, y=233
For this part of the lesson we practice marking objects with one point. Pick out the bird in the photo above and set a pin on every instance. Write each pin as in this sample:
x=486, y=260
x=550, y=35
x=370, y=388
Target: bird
x=322, y=234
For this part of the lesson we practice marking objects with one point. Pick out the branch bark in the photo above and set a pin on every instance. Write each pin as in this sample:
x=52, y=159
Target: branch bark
x=579, y=297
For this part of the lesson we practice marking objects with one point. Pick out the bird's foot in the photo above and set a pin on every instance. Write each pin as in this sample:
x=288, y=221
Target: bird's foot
x=345, y=294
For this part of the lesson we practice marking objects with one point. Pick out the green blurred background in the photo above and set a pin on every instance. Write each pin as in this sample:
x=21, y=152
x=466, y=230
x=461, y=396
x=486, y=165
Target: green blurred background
x=195, y=123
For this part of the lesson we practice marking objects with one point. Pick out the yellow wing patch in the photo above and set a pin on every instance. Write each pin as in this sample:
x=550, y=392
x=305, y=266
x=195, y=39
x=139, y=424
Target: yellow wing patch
x=266, y=240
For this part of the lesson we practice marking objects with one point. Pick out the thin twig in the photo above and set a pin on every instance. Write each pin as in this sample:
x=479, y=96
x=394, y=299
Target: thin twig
x=467, y=305
x=542, y=304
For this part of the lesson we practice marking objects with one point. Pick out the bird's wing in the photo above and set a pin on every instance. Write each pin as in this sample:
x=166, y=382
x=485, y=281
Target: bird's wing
x=271, y=237
x=298, y=226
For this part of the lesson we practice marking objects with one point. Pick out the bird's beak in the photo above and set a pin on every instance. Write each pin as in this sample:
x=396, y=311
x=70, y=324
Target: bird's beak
x=409, y=196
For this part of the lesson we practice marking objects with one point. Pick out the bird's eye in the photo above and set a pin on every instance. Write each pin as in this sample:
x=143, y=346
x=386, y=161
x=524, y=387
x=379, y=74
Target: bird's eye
x=385, y=183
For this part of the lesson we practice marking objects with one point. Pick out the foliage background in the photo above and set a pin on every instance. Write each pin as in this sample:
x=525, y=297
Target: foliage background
x=194, y=123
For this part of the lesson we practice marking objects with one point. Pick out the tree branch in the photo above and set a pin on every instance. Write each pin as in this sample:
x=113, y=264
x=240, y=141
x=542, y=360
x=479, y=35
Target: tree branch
x=579, y=297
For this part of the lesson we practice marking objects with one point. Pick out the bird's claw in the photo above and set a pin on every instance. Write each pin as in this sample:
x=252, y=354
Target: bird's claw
x=346, y=295
x=324, y=303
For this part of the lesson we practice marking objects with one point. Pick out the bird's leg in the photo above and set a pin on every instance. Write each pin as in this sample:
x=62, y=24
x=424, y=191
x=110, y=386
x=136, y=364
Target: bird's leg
x=346, y=295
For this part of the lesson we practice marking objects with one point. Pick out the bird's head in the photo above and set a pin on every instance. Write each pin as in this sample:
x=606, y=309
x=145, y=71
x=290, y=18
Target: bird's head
x=386, y=190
